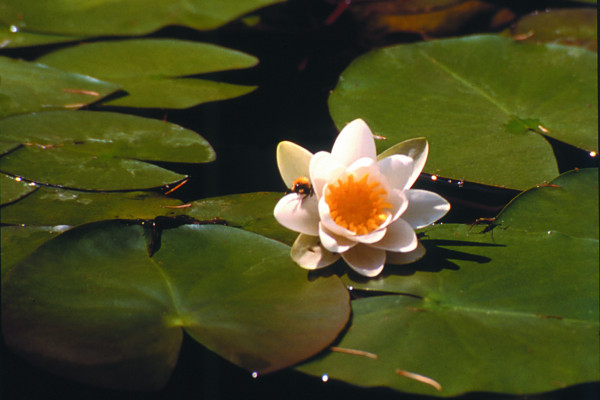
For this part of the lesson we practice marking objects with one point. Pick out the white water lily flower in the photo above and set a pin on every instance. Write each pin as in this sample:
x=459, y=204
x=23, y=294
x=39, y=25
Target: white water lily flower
x=358, y=207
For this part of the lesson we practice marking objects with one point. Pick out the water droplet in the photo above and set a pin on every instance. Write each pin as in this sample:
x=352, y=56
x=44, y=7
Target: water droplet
x=325, y=378
x=434, y=177
x=32, y=184
x=254, y=374
x=14, y=29
x=549, y=232
x=461, y=183
x=593, y=154
x=350, y=288
x=449, y=180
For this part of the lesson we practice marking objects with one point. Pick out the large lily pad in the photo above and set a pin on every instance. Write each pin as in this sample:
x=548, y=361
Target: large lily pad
x=92, y=305
x=53, y=206
x=17, y=242
x=122, y=17
x=482, y=102
x=512, y=310
x=152, y=71
x=29, y=87
x=98, y=150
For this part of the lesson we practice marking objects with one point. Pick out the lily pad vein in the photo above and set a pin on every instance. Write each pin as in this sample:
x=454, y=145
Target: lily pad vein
x=465, y=82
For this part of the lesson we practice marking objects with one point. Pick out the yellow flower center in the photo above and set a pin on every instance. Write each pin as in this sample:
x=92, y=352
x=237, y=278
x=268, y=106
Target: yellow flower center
x=358, y=206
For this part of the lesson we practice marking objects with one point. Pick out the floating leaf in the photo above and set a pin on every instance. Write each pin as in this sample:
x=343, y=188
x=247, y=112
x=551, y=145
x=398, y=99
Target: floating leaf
x=250, y=211
x=151, y=70
x=514, y=310
x=98, y=150
x=52, y=206
x=92, y=305
x=20, y=241
x=10, y=36
x=28, y=87
x=571, y=26
x=13, y=189
x=482, y=102
x=123, y=17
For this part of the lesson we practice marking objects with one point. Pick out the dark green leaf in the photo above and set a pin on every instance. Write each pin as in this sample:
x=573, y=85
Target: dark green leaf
x=50, y=206
x=29, y=87
x=91, y=305
x=12, y=189
x=511, y=310
x=10, y=36
x=250, y=211
x=98, y=150
x=478, y=101
x=572, y=26
x=147, y=68
x=19, y=241
x=123, y=17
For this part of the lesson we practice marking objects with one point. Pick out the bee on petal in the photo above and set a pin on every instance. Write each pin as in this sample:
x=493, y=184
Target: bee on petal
x=301, y=186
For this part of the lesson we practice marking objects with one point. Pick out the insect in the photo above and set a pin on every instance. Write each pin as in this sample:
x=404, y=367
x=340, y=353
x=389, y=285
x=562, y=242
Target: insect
x=301, y=186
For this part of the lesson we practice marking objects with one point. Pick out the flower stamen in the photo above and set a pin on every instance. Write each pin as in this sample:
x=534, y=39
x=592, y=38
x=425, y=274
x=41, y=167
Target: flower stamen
x=359, y=206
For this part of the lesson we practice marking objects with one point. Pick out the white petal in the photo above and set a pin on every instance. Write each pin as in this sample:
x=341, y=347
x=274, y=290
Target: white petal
x=417, y=149
x=298, y=213
x=424, y=208
x=397, y=169
x=334, y=242
x=405, y=258
x=400, y=237
x=293, y=161
x=399, y=203
x=354, y=141
x=308, y=252
x=323, y=168
x=365, y=260
x=371, y=237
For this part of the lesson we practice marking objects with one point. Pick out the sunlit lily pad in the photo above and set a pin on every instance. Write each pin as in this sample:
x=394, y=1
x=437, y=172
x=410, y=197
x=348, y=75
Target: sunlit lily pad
x=482, y=102
x=92, y=305
x=52, y=206
x=10, y=36
x=572, y=26
x=511, y=310
x=250, y=211
x=153, y=71
x=123, y=17
x=98, y=150
x=12, y=189
x=29, y=87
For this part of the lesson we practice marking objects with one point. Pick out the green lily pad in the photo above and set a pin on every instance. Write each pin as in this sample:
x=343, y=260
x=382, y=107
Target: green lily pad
x=17, y=242
x=12, y=189
x=123, y=17
x=29, y=87
x=512, y=310
x=98, y=150
x=92, y=305
x=53, y=206
x=250, y=211
x=571, y=26
x=10, y=37
x=152, y=71
x=482, y=102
